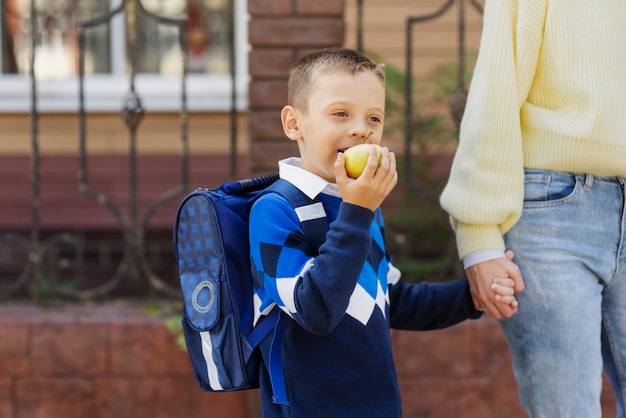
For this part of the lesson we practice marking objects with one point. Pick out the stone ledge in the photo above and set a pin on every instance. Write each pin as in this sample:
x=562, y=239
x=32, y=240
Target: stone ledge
x=100, y=362
x=117, y=361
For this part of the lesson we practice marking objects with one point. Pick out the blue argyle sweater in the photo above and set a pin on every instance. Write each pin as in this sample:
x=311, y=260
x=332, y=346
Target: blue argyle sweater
x=336, y=349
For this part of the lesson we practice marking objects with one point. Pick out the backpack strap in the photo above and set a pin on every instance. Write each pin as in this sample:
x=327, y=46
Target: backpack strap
x=274, y=321
x=313, y=220
x=310, y=213
x=277, y=376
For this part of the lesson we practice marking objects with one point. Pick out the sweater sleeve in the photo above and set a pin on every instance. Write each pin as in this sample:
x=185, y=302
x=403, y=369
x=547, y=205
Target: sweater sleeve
x=484, y=193
x=314, y=291
x=427, y=306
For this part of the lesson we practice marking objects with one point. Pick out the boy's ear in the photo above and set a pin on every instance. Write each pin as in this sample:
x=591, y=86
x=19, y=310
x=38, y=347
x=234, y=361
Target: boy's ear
x=291, y=122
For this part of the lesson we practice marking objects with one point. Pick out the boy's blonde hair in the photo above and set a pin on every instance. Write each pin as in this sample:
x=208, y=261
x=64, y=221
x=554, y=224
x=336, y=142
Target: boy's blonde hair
x=312, y=67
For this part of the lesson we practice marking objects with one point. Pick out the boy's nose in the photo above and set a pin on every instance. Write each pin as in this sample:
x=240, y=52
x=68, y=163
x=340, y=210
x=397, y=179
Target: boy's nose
x=359, y=132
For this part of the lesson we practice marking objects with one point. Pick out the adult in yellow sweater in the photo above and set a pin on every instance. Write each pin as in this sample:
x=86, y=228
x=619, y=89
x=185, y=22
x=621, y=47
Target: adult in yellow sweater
x=540, y=169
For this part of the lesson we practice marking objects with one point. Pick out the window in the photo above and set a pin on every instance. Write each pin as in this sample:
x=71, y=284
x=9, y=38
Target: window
x=108, y=54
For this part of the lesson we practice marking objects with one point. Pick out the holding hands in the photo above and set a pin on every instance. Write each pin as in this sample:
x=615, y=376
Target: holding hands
x=493, y=285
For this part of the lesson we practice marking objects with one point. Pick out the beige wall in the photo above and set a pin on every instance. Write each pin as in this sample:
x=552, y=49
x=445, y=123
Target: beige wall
x=158, y=133
x=384, y=27
x=435, y=42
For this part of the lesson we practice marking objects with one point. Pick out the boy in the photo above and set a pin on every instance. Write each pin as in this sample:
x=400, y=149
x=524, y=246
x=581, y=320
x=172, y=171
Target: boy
x=340, y=304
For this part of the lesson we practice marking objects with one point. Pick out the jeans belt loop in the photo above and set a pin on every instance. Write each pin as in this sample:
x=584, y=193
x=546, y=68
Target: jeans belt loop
x=588, y=181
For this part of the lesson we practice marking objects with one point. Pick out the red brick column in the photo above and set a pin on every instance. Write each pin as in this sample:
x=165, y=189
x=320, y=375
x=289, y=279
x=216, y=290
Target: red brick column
x=280, y=31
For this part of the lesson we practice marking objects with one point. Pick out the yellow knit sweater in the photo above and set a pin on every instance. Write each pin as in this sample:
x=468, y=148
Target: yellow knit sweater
x=548, y=92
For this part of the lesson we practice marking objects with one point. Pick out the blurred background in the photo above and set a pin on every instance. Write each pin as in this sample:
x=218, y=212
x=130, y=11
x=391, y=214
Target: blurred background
x=111, y=110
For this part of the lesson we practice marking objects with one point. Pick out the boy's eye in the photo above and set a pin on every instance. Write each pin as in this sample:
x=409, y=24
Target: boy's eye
x=341, y=113
x=375, y=119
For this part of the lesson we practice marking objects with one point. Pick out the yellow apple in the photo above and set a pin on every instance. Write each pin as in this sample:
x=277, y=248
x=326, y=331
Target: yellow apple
x=356, y=158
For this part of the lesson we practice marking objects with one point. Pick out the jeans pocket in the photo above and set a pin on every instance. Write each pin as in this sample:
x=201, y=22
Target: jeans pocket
x=543, y=188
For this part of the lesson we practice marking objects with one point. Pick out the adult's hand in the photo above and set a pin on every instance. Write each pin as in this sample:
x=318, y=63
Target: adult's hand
x=481, y=277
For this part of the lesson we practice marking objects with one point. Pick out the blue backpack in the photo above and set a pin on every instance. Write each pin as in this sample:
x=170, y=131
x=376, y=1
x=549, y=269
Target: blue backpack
x=213, y=256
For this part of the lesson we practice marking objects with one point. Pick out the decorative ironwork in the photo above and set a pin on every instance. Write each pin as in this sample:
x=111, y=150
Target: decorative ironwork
x=134, y=230
x=459, y=96
x=46, y=262
x=54, y=265
x=33, y=248
x=456, y=102
x=359, y=25
x=132, y=111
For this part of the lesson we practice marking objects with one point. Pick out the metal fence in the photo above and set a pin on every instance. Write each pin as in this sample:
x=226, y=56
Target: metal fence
x=27, y=269
x=43, y=271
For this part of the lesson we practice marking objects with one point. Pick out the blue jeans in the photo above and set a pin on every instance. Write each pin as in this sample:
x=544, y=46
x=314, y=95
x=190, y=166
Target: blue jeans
x=569, y=245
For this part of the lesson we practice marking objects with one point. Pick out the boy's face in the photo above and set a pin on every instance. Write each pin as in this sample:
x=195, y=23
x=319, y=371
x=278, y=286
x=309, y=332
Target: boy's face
x=342, y=111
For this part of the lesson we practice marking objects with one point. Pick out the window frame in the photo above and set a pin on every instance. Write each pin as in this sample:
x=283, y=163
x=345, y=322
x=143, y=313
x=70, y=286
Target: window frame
x=159, y=93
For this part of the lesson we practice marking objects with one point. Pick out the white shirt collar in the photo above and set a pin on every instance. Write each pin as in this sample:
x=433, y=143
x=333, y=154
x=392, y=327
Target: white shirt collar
x=310, y=184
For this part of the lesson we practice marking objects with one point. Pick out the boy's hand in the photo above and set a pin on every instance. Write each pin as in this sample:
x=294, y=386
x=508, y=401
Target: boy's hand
x=505, y=292
x=481, y=279
x=373, y=185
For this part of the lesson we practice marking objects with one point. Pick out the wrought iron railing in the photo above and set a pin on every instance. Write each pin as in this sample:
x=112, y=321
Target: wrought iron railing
x=40, y=275
x=457, y=99
x=456, y=106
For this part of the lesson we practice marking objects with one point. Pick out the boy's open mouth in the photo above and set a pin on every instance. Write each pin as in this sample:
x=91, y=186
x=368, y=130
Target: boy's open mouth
x=364, y=141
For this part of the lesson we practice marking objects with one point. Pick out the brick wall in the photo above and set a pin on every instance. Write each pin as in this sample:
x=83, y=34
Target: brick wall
x=101, y=362
x=62, y=206
x=279, y=32
x=117, y=361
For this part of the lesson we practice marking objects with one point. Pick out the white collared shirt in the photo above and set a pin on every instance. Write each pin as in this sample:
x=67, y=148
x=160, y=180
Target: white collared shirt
x=310, y=184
